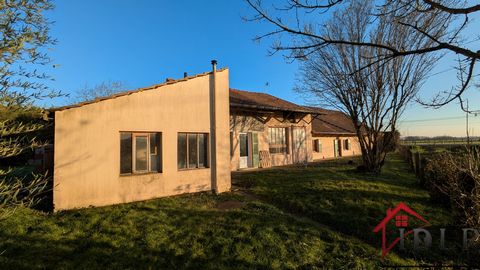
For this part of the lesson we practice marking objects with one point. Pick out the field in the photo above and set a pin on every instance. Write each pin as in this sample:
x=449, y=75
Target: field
x=317, y=217
x=444, y=143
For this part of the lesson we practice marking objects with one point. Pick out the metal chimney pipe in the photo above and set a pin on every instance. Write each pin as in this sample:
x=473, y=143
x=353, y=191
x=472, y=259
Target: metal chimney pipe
x=214, y=65
x=213, y=127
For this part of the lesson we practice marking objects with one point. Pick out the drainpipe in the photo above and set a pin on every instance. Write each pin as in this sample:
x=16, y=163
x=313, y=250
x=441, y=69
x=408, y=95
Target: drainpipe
x=213, y=124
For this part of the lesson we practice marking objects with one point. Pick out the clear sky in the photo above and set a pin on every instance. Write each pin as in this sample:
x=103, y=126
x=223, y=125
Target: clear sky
x=142, y=42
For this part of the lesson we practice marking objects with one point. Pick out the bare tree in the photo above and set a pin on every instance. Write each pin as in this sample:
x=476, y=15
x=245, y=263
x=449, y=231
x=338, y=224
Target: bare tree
x=299, y=27
x=373, y=93
x=103, y=89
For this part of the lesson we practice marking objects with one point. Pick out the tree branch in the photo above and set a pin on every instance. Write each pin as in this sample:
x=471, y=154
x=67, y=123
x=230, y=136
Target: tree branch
x=466, y=10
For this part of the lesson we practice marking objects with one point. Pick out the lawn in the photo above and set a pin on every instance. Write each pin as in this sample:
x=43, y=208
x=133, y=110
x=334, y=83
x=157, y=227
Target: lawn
x=317, y=217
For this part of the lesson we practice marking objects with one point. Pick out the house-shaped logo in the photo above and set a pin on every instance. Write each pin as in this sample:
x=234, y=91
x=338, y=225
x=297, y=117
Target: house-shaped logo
x=399, y=216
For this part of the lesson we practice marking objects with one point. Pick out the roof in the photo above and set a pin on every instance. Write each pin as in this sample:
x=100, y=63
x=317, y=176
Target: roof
x=392, y=213
x=168, y=82
x=238, y=98
x=332, y=122
x=254, y=100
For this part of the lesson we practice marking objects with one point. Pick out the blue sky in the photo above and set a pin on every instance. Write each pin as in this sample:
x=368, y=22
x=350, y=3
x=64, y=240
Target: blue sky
x=142, y=42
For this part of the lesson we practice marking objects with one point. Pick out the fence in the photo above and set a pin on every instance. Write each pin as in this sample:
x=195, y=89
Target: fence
x=415, y=159
x=418, y=157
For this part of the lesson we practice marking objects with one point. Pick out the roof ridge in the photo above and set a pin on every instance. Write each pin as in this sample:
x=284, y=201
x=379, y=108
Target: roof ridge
x=330, y=123
x=320, y=108
x=267, y=95
x=261, y=93
x=138, y=90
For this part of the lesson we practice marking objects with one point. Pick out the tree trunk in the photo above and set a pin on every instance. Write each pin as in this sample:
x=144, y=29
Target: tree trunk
x=373, y=151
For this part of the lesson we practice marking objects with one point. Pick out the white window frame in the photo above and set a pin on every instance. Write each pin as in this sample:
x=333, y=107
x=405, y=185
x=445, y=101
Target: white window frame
x=197, y=140
x=158, y=152
x=134, y=152
x=285, y=137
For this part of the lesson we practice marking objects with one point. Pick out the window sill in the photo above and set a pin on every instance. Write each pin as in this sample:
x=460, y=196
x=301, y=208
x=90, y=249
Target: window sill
x=193, y=169
x=138, y=174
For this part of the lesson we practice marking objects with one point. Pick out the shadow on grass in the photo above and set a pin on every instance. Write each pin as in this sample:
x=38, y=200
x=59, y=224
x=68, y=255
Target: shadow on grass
x=176, y=233
x=334, y=194
x=90, y=254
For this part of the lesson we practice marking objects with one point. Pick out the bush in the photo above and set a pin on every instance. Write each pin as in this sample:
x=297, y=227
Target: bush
x=438, y=171
x=391, y=141
x=455, y=178
x=19, y=189
x=404, y=151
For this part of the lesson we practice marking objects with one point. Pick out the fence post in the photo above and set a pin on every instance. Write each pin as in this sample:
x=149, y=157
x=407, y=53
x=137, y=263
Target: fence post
x=413, y=163
x=418, y=165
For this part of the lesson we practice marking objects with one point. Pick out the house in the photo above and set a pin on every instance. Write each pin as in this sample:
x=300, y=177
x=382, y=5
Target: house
x=181, y=136
x=333, y=135
x=268, y=131
x=163, y=140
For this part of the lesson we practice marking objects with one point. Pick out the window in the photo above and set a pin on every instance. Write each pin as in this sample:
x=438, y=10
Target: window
x=317, y=146
x=243, y=145
x=192, y=150
x=346, y=144
x=278, y=140
x=401, y=221
x=140, y=152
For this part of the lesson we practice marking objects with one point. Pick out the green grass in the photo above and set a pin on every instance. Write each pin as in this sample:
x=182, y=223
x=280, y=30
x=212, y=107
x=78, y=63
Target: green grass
x=297, y=218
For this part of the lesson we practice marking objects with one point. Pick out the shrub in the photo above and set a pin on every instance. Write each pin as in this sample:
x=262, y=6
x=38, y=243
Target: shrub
x=404, y=151
x=437, y=173
x=455, y=178
x=19, y=189
x=391, y=141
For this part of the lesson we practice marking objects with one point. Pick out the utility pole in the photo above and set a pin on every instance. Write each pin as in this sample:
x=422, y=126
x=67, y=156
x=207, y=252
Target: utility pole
x=468, y=136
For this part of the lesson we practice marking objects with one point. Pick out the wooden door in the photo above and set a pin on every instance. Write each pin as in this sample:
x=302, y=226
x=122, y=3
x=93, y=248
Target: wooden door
x=299, y=145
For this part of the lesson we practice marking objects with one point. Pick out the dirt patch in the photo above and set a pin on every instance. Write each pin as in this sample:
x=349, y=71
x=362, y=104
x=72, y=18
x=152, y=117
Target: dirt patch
x=248, y=195
x=228, y=205
x=234, y=204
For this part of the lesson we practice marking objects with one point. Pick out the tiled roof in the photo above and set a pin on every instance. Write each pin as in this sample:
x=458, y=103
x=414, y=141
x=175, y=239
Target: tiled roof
x=332, y=122
x=169, y=81
x=238, y=98
x=261, y=101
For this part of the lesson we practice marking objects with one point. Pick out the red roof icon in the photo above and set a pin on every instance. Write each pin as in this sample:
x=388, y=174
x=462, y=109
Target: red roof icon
x=401, y=221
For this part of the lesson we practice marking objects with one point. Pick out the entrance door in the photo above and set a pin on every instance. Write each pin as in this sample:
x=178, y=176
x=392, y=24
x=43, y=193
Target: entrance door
x=243, y=150
x=299, y=145
x=336, y=148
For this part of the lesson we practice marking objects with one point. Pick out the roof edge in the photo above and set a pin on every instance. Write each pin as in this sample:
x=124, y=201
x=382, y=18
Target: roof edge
x=138, y=90
x=301, y=108
x=268, y=108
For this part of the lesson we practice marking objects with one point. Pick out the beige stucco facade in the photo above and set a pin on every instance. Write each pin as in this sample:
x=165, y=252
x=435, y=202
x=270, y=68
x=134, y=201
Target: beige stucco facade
x=87, y=143
x=255, y=122
x=88, y=166
x=328, y=146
